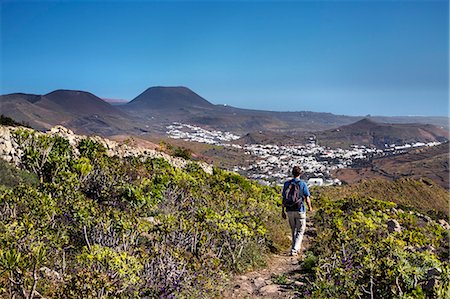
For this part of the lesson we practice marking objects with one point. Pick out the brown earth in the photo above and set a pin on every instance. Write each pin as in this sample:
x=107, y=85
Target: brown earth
x=370, y=133
x=422, y=194
x=427, y=162
x=281, y=278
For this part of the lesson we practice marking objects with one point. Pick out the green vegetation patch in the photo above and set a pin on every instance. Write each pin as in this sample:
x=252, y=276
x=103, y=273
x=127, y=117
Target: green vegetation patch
x=91, y=225
x=356, y=255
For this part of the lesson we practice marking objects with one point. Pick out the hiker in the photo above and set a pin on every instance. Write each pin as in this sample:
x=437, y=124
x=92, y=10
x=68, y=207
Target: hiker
x=295, y=192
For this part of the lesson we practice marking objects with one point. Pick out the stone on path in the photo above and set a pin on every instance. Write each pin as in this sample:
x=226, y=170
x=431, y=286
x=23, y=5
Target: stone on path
x=269, y=289
x=259, y=282
x=244, y=287
x=242, y=277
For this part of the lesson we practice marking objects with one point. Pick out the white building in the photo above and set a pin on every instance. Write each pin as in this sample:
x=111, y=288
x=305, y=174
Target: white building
x=315, y=182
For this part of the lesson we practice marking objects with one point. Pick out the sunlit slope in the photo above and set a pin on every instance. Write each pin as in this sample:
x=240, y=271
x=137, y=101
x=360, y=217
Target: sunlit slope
x=421, y=194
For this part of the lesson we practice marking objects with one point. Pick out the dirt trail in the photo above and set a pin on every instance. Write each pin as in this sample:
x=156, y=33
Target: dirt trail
x=279, y=279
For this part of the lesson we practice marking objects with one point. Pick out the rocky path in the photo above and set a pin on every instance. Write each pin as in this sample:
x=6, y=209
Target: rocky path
x=281, y=278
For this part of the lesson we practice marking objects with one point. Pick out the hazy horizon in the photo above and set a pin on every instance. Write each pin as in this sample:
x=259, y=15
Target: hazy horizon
x=386, y=58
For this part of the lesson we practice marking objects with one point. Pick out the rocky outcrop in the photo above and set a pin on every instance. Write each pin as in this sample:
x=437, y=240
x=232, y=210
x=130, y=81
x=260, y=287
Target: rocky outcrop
x=444, y=224
x=393, y=226
x=8, y=146
x=10, y=149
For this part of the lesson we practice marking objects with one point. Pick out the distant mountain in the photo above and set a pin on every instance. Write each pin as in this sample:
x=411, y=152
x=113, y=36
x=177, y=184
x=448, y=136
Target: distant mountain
x=369, y=132
x=424, y=162
x=157, y=107
x=78, y=110
x=363, y=132
x=78, y=102
x=168, y=98
x=160, y=106
x=270, y=137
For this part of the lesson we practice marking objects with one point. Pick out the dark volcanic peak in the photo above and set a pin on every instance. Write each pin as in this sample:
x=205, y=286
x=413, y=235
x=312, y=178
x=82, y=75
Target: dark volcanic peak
x=77, y=102
x=32, y=98
x=169, y=97
x=365, y=122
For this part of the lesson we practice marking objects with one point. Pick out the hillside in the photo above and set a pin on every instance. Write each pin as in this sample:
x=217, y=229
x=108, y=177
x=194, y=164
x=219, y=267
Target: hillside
x=422, y=194
x=364, y=132
x=94, y=218
x=370, y=133
x=81, y=111
x=108, y=220
x=427, y=162
x=270, y=137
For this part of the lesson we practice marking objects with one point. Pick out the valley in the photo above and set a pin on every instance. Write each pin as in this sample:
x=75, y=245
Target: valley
x=271, y=163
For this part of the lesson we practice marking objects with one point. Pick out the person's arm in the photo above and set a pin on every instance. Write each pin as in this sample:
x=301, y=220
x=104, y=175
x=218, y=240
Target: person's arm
x=308, y=201
x=283, y=213
x=307, y=197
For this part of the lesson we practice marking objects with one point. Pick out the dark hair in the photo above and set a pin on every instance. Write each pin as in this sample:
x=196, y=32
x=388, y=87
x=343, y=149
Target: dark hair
x=296, y=171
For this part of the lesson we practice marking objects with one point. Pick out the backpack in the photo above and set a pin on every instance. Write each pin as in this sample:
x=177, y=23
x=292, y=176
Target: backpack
x=293, y=195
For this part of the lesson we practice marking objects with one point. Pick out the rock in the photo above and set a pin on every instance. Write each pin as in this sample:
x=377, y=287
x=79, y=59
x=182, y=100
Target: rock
x=299, y=283
x=444, y=224
x=393, y=226
x=259, y=282
x=242, y=277
x=269, y=289
x=427, y=248
x=410, y=248
x=244, y=287
x=49, y=273
x=433, y=272
x=11, y=152
x=151, y=220
x=424, y=217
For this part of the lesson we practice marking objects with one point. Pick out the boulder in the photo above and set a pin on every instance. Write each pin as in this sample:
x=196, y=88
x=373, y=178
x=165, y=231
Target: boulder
x=269, y=289
x=244, y=287
x=49, y=273
x=393, y=226
x=242, y=277
x=259, y=282
x=444, y=224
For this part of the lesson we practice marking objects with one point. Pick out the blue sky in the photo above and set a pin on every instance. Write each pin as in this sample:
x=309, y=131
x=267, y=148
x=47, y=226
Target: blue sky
x=344, y=57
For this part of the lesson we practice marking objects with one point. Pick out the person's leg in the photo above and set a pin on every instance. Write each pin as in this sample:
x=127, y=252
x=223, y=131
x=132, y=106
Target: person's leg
x=292, y=224
x=300, y=225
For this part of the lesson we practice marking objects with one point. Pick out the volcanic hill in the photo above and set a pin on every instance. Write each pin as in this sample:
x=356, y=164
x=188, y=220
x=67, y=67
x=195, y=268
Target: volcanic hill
x=157, y=107
x=424, y=162
x=78, y=110
x=168, y=98
x=370, y=133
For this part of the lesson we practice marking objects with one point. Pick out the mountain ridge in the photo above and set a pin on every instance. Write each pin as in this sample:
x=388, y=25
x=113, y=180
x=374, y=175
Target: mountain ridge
x=157, y=107
x=369, y=132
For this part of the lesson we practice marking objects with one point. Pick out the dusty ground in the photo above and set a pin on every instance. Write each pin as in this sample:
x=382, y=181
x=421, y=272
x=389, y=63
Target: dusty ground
x=279, y=279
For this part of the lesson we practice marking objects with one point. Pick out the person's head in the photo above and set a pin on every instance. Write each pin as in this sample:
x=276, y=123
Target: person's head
x=296, y=171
